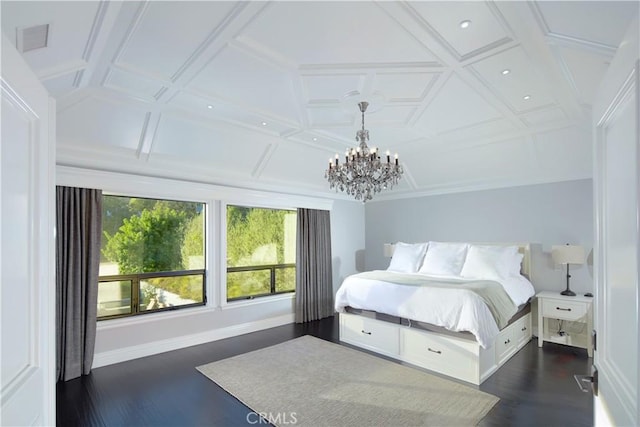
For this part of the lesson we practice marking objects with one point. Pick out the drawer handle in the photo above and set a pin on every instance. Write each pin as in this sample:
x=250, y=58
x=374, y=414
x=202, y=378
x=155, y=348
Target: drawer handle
x=563, y=309
x=524, y=328
x=507, y=341
x=434, y=351
x=365, y=332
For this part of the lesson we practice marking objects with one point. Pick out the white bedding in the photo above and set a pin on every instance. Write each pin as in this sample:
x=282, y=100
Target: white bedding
x=454, y=309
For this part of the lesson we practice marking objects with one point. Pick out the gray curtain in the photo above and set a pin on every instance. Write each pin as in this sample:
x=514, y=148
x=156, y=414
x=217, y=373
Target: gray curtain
x=314, y=282
x=78, y=231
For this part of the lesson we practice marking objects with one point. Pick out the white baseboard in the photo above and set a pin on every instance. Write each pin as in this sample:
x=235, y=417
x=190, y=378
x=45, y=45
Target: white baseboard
x=134, y=352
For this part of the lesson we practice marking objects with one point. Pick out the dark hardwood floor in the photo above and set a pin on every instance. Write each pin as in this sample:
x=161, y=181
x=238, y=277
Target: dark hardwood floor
x=536, y=387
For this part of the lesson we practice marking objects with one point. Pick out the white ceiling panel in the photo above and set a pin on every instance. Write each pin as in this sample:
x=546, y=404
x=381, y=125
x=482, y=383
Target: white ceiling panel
x=197, y=104
x=133, y=84
x=331, y=88
x=546, y=116
x=485, y=130
x=222, y=149
x=522, y=80
x=281, y=169
x=160, y=44
x=220, y=112
x=405, y=86
x=318, y=140
x=383, y=137
x=319, y=32
x=601, y=22
x=60, y=85
x=486, y=27
x=239, y=77
x=261, y=123
x=391, y=138
x=96, y=121
x=330, y=116
x=391, y=115
x=456, y=105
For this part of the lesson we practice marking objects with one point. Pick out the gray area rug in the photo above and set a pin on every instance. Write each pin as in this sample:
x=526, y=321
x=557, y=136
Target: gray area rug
x=311, y=382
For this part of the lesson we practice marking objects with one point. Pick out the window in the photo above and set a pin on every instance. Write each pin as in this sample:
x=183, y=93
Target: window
x=261, y=252
x=153, y=256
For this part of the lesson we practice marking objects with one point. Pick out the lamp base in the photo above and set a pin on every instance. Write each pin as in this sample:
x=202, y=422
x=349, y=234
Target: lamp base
x=568, y=292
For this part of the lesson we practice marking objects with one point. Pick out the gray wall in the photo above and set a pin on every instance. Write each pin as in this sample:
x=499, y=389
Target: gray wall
x=548, y=214
x=347, y=240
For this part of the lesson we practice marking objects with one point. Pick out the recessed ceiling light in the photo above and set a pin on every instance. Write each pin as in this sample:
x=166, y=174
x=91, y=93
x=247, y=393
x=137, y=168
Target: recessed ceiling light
x=210, y=107
x=526, y=97
x=465, y=24
x=264, y=123
x=315, y=139
x=506, y=71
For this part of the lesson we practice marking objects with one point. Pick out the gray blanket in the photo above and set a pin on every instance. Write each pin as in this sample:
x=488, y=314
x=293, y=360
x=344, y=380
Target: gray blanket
x=492, y=293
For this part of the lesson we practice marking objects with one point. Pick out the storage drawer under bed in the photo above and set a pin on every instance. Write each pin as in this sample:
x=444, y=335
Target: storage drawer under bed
x=455, y=357
x=371, y=334
x=448, y=355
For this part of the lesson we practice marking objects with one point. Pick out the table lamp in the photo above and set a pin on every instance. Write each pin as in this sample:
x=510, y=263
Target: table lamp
x=388, y=249
x=567, y=254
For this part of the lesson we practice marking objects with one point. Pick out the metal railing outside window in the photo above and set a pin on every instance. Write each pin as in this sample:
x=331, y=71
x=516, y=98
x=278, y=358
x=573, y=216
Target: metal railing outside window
x=275, y=286
x=125, y=295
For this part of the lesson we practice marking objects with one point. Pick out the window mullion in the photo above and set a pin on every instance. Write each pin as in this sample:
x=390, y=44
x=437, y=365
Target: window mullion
x=273, y=279
x=135, y=298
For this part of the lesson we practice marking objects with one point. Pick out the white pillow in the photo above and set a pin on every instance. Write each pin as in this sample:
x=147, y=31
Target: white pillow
x=516, y=265
x=407, y=257
x=444, y=259
x=489, y=262
x=518, y=288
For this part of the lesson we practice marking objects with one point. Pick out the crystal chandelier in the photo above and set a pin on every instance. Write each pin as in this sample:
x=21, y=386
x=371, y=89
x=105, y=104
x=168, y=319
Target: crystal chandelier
x=363, y=173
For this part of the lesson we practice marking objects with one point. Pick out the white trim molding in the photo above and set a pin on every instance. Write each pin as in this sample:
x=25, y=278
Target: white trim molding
x=146, y=186
x=149, y=349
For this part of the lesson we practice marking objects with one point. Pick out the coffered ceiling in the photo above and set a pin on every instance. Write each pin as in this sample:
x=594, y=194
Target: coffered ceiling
x=261, y=94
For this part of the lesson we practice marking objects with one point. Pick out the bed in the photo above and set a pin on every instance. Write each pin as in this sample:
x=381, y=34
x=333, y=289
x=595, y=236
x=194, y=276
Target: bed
x=461, y=310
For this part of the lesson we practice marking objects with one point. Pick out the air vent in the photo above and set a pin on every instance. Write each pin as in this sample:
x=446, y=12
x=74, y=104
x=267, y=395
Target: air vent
x=31, y=38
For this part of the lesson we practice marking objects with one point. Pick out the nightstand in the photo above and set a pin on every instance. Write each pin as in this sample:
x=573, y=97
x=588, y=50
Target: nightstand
x=552, y=305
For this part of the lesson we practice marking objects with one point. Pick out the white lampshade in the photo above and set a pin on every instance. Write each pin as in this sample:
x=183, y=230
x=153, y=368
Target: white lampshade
x=388, y=250
x=567, y=254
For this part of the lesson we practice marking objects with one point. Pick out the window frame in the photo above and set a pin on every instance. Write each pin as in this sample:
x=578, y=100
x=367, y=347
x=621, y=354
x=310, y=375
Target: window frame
x=252, y=299
x=135, y=277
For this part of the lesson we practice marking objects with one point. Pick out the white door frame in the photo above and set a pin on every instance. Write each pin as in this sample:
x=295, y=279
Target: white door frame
x=27, y=218
x=617, y=253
